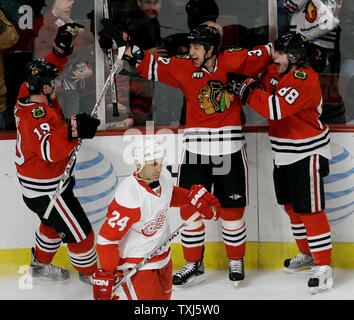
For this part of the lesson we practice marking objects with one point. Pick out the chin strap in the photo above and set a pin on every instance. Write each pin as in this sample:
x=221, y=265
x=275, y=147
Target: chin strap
x=205, y=60
x=48, y=94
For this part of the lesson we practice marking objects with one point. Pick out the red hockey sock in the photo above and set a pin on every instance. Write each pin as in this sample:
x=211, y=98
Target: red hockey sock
x=192, y=237
x=83, y=255
x=318, y=236
x=298, y=229
x=234, y=232
x=47, y=243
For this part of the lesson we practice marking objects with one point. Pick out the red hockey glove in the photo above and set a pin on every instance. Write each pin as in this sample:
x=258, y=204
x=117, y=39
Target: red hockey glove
x=204, y=202
x=103, y=283
x=64, y=40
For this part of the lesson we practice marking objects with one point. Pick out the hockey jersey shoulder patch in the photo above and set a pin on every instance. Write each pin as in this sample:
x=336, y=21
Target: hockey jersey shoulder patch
x=299, y=74
x=183, y=56
x=38, y=112
x=235, y=49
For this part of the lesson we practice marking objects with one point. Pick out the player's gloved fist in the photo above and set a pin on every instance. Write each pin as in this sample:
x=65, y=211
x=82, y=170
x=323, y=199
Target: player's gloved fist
x=112, y=31
x=103, y=283
x=82, y=126
x=240, y=85
x=204, y=202
x=64, y=40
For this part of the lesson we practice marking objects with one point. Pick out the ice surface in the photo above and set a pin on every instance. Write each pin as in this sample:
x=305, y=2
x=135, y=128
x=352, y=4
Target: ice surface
x=258, y=285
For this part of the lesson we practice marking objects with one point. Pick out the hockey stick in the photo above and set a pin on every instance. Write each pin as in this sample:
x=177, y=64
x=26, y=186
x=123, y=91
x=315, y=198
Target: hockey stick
x=73, y=156
x=155, y=251
x=114, y=92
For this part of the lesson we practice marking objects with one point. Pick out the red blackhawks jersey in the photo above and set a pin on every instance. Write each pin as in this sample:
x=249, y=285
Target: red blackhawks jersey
x=137, y=223
x=213, y=115
x=293, y=104
x=42, y=145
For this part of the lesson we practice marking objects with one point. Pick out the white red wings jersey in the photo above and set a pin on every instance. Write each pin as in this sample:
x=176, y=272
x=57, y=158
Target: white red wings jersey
x=42, y=146
x=293, y=104
x=315, y=20
x=136, y=224
x=213, y=115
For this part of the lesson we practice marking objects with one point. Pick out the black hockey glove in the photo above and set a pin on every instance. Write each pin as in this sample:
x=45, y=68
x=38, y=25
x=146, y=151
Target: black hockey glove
x=64, y=40
x=82, y=126
x=240, y=85
x=112, y=31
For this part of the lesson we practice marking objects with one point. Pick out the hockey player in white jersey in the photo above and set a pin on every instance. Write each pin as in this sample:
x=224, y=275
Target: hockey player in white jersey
x=137, y=222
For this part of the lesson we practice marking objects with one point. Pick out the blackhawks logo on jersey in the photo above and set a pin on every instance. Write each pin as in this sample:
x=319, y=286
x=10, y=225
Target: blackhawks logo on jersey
x=298, y=74
x=214, y=98
x=38, y=112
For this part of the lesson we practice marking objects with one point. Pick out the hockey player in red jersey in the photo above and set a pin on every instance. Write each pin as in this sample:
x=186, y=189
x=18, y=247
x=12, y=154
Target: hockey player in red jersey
x=137, y=223
x=292, y=101
x=215, y=154
x=44, y=143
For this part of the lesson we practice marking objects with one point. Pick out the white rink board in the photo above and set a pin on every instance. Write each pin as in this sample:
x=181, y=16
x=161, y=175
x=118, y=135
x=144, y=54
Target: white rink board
x=265, y=220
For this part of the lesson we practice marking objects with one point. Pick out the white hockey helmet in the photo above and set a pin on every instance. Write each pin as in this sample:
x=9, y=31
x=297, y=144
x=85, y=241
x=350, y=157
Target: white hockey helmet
x=147, y=150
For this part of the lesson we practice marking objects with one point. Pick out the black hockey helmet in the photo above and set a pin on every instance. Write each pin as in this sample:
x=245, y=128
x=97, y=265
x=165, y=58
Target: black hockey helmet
x=295, y=45
x=38, y=73
x=199, y=11
x=206, y=36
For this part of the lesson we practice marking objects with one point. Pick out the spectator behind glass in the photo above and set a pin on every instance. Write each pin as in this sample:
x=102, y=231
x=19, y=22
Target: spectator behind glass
x=143, y=26
x=308, y=18
x=8, y=37
x=140, y=19
x=76, y=93
x=25, y=16
x=346, y=82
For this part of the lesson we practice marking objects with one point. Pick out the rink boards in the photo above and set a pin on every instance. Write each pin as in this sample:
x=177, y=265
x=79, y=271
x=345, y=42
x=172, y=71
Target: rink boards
x=105, y=160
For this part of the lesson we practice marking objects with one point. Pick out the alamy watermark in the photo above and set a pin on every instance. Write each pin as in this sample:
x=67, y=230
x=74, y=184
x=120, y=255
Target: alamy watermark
x=174, y=146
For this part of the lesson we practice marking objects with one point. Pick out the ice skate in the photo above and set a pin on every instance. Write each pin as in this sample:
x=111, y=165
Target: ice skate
x=321, y=279
x=301, y=262
x=192, y=273
x=236, y=271
x=41, y=271
x=86, y=279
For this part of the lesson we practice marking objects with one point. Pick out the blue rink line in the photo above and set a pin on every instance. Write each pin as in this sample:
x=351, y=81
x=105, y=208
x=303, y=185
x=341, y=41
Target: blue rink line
x=85, y=182
x=89, y=163
x=97, y=196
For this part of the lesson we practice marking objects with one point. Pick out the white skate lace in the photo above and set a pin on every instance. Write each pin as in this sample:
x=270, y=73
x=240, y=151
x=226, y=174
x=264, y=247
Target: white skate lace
x=319, y=271
x=188, y=268
x=299, y=257
x=235, y=266
x=51, y=269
